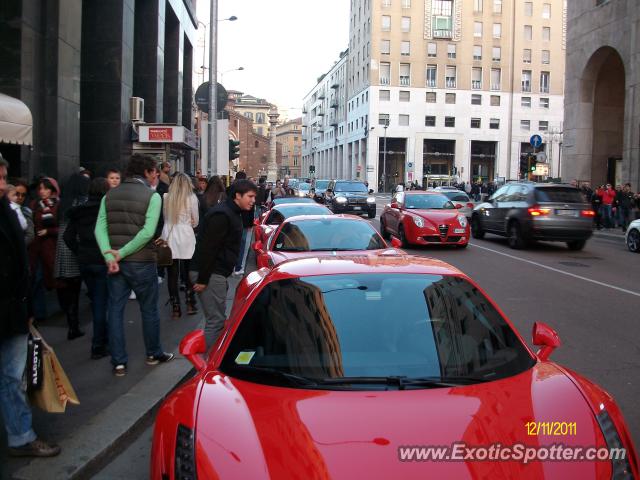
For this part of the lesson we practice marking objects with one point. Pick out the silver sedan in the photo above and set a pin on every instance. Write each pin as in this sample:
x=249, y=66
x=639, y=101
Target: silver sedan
x=632, y=237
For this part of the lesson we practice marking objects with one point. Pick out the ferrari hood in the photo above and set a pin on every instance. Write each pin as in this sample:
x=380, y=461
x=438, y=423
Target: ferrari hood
x=247, y=430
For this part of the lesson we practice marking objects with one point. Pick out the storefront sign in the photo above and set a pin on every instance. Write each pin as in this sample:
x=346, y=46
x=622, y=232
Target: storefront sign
x=164, y=134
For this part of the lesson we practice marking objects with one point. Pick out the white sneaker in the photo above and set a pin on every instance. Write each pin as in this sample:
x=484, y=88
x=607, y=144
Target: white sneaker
x=238, y=273
x=160, y=280
x=132, y=296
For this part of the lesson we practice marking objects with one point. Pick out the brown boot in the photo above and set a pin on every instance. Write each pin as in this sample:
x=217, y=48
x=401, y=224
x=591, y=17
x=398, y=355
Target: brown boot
x=37, y=448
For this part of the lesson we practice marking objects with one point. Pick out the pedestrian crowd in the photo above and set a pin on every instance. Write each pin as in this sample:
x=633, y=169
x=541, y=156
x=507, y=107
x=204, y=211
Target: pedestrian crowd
x=614, y=207
x=106, y=232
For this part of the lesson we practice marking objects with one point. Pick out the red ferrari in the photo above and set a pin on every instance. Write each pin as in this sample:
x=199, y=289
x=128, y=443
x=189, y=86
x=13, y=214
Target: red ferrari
x=382, y=366
x=270, y=220
x=305, y=236
x=424, y=218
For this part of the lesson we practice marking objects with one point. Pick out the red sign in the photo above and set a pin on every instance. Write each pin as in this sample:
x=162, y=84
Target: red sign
x=359, y=168
x=162, y=134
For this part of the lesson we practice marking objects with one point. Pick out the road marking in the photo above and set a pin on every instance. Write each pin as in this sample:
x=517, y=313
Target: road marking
x=602, y=284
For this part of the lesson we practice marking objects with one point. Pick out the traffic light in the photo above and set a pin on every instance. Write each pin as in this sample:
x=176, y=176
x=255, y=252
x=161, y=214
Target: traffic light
x=312, y=169
x=234, y=149
x=532, y=163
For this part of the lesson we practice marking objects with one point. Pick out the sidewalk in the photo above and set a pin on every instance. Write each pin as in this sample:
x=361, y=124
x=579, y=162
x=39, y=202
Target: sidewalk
x=110, y=407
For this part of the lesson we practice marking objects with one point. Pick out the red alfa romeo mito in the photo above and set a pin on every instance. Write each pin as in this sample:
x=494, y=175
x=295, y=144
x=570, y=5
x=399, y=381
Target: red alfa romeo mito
x=381, y=366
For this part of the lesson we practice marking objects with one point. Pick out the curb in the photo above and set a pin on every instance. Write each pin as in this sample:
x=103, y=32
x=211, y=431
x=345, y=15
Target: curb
x=619, y=236
x=88, y=450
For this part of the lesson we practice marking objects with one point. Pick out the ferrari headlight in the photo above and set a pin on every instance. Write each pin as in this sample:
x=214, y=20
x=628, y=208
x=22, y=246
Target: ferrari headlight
x=185, y=461
x=371, y=199
x=341, y=199
x=419, y=221
x=621, y=467
x=462, y=220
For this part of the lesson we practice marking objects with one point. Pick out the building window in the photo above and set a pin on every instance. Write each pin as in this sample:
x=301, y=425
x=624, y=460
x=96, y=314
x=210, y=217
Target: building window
x=450, y=122
x=406, y=24
x=383, y=119
x=476, y=78
x=544, y=82
x=432, y=75
x=385, y=95
x=495, y=100
x=475, y=123
x=406, y=3
x=476, y=99
x=477, y=29
x=450, y=98
x=403, y=120
x=496, y=80
x=526, y=55
x=477, y=52
x=496, y=54
x=497, y=30
x=386, y=23
x=405, y=95
x=526, y=80
x=450, y=77
x=528, y=32
x=431, y=97
x=260, y=117
x=546, y=57
x=525, y=125
x=249, y=115
x=386, y=3
x=477, y=6
x=544, y=102
x=525, y=102
x=497, y=6
x=451, y=50
x=546, y=10
x=432, y=49
x=405, y=48
x=385, y=47
x=528, y=9
x=546, y=34
x=385, y=73
x=494, y=123
x=429, y=121
x=405, y=74
x=442, y=18
x=256, y=144
x=543, y=125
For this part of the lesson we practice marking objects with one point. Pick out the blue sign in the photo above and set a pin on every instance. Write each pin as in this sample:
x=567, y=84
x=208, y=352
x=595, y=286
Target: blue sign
x=535, y=141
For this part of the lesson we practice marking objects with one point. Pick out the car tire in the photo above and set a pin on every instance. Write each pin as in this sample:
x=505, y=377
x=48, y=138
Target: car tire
x=633, y=241
x=576, y=245
x=514, y=236
x=402, y=236
x=383, y=230
x=372, y=214
x=476, y=228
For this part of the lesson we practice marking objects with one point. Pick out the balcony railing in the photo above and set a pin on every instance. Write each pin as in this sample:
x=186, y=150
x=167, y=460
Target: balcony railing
x=476, y=84
x=450, y=82
x=442, y=34
x=544, y=89
x=384, y=80
x=431, y=83
x=526, y=87
x=495, y=86
x=404, y=81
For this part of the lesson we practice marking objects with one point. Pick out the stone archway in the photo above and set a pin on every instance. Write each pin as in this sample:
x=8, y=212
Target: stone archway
x=602, y=91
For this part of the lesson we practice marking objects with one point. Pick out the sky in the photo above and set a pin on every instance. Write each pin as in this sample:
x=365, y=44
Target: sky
x=283, y=45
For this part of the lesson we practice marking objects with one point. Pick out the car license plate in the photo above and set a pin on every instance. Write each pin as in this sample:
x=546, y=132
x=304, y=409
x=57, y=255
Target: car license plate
x=459, y=230
x=566, y=213
x=357, y=208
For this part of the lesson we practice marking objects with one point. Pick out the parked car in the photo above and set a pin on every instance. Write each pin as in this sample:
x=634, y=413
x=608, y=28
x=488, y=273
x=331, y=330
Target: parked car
x=350, y=196
x=526, y=212
x=302, y=189
x=632, y=236
x=270, y=220
x=424, y=218
x=328, y=367
x=459, y=198
x=318, y=188
x=305, y=236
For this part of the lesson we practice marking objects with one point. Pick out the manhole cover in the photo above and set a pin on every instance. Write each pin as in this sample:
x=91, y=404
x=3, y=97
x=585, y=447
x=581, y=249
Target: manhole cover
x=573, y=264
x=587, y=258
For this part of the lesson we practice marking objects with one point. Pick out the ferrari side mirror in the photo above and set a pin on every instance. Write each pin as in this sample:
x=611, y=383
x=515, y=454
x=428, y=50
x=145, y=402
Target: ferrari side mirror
x=396, y=242
x=546, y=337
x=193, y=347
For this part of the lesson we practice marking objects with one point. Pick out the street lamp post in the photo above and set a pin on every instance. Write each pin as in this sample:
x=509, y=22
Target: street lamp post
x=238, y=69
x=384, y=160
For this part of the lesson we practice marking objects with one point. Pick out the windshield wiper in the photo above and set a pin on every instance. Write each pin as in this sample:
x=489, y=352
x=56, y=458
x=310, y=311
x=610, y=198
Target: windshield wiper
x=289, y=377
x=336, y=249
x=402, y=382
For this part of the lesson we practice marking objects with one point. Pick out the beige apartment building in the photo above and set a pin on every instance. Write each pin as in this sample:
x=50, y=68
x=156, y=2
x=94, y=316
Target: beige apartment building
x=289, y=135
x=453, y=88
x=255, y=109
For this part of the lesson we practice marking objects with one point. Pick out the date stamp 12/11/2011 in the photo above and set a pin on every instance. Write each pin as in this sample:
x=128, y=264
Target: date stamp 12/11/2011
x=553, y=429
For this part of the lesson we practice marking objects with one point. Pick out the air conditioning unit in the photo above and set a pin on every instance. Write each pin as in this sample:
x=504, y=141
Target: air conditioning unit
x=136, y=106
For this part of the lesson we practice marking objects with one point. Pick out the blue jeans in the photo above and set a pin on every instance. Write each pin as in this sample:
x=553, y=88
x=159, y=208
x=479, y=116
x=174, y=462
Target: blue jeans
x=13, y=402
x=142, y=278
x=607, y=219
x=95, y=278
x=38, y=293
x=246, y=232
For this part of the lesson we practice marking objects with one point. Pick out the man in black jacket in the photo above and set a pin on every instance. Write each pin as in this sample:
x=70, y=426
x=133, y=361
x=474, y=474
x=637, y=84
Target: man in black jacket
x=217, y=250
x=14, y=327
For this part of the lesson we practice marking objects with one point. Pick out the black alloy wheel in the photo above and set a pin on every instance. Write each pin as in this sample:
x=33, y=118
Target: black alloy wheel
x=383, y=230
x=516, y=240
x=476, y=228
x=633, y=241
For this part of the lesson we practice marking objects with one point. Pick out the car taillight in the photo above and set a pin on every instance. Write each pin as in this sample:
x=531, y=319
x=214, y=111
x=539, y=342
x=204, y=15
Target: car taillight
x=185, y=463
x=587, y=213
x=621, y=467
x=536, y=211
x=470, y=205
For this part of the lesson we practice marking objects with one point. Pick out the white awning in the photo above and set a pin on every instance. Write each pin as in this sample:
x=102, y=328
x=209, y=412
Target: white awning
x=16, y=123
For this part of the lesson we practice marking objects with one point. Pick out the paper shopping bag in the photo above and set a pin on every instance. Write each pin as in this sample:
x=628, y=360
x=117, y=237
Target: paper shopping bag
x=56, y=390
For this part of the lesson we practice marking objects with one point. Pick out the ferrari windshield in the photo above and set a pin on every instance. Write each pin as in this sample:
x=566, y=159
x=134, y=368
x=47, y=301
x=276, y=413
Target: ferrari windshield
x=332, y=330
x=428, y=202
x=281, y=200
x=327, y=234
x=355, y=187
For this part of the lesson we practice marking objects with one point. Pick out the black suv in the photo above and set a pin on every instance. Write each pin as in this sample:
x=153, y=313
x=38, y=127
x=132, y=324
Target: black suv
x=349, y=196
x=526, y=212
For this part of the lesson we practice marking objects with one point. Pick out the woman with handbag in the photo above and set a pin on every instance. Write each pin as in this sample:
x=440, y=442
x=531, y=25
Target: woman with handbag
x=181, y=216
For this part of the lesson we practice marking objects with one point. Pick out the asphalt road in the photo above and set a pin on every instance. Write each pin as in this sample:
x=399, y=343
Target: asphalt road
x=591, y=298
